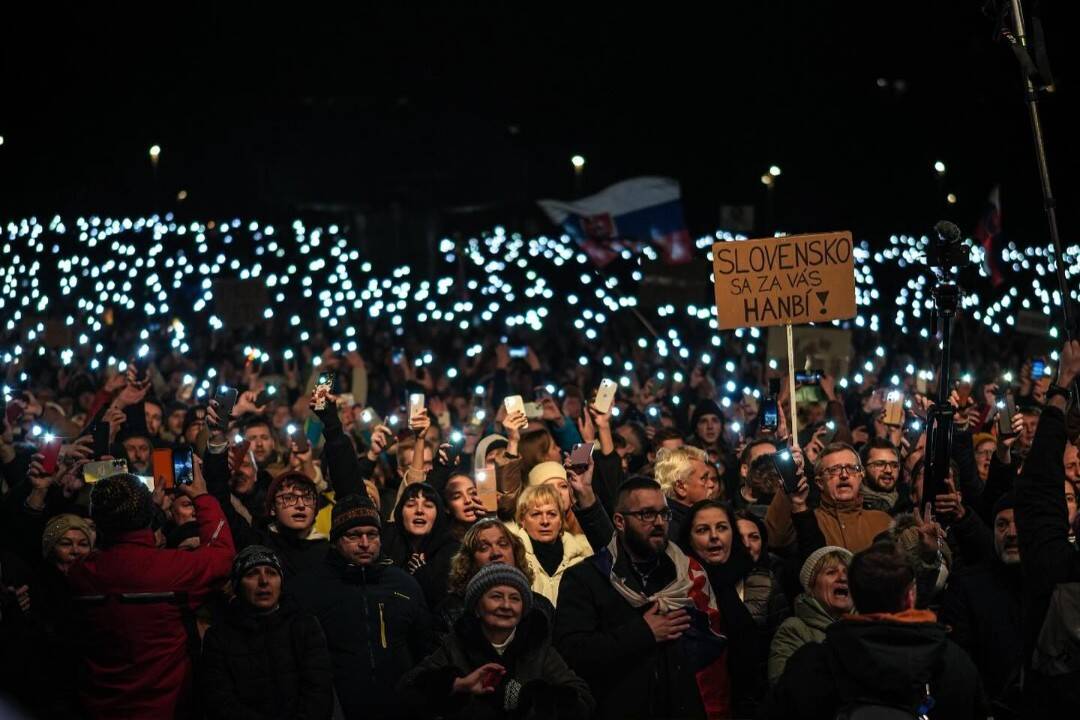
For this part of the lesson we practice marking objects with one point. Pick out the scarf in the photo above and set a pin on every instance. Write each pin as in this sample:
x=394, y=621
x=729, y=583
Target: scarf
x=705, y=644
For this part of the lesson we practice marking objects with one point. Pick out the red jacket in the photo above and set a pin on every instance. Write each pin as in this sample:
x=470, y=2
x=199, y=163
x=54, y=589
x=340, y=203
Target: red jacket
x=137, y=652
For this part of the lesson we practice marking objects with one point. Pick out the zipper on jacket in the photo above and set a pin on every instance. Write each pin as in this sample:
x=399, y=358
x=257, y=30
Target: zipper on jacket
x=382, y=627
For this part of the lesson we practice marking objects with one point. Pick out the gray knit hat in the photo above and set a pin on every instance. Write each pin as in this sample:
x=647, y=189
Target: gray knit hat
x=254, y=556
x=812, y=566
x=498, y=574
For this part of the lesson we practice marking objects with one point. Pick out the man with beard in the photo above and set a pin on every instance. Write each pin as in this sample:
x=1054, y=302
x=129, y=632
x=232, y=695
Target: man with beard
x=882, y=463
x=982, y=605
x=623, y=619
x=758, y=480
x=138, y=449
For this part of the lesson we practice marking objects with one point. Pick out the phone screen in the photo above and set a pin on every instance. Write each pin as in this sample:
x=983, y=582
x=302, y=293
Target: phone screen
x=486, y=487
x=580, y=456
x=183, y=466
x=770, y=415
x=51, y=452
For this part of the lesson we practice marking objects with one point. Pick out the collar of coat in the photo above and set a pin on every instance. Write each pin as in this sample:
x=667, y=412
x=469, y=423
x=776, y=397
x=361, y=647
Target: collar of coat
x=907, y=617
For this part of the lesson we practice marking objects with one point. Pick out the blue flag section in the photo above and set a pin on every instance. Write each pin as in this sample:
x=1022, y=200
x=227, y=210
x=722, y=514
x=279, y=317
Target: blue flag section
x=626, y=215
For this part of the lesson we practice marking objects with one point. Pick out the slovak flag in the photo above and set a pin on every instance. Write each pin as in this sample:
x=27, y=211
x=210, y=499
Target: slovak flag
x=639, y=210
x=989, y=234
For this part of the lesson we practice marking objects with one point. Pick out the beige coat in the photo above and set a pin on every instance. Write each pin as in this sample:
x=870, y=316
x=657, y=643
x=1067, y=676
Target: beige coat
x=575, y=549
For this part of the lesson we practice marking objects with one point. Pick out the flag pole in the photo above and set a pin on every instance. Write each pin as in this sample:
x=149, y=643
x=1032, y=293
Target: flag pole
x=791, y=386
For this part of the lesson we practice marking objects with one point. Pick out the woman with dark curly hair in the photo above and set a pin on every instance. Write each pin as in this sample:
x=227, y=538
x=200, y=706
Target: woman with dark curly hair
x=487, y=542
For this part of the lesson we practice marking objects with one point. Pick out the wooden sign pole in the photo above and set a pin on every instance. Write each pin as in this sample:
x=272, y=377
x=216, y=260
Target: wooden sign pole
x=791, y=386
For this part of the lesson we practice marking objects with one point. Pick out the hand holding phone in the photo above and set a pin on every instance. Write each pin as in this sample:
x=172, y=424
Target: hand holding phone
x=303, y=444
x=161, y=461
x=581, y=457
x=50, y=451
x=183, y=466
x=784, y=462
x=224, y=400
x=513, y=404
x=323, y=387
x=605, y=395
x=894, y=408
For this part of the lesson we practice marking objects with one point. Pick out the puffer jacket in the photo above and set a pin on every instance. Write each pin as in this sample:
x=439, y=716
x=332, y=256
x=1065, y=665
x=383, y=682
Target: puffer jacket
x=807, y=626
x=259, y=666
x=575, y=549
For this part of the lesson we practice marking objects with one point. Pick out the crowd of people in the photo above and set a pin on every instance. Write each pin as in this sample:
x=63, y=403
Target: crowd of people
x=359, y=535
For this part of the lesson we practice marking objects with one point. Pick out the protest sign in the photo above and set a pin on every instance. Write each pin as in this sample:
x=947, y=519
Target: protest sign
x=787, y=280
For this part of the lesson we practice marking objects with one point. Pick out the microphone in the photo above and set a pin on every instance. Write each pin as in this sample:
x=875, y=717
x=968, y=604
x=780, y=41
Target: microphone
x=947, y=232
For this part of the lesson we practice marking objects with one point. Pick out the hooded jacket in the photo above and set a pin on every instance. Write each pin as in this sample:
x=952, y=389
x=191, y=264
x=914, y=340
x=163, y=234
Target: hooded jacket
x=136, y=597
x=548, y=687
x=886, y=659
x=377, y=627
x=807, y=626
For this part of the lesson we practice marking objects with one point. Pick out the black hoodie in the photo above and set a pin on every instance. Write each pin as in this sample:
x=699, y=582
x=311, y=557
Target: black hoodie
x=879, y=659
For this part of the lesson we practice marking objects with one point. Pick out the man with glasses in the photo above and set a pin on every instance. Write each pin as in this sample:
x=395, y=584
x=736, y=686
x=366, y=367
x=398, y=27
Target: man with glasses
x=623, y=619
x=840, y=519
x=882, y=463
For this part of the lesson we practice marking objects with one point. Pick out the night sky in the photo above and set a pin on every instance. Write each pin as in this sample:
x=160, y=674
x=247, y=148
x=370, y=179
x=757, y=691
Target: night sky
x=459, y=118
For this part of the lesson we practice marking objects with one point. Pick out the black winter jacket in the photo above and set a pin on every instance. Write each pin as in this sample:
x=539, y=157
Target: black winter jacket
x=257, y=667
x=878, y=659
x=377, y=627
x=545, y=686
x=607, y=642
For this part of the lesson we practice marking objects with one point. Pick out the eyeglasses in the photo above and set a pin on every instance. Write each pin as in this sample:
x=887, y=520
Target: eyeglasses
x=291, y=499
x=836, y=470
x=649, y=516
x=878, y=464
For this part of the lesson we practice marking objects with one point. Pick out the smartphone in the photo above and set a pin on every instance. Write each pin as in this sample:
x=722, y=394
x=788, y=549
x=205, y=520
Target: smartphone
x=829, y=434
x=913, y=430
x=94, y=471
x=519, y=351
x=541, y=393
x=580, y=457
x=605, y=395
x=963, y=388
x=369, y=418
x=416, y=404
x=1038, y=369
x=266, y=395
x=486, y=488
x=313, y=428
x=183, y=465
x=533, y=411
x=809, y=377
x=51, y=450
x=164, y=472
x=770, y=414
x=513, y=404
x=894, y=408
x=784, y=462
x=397, y=356
x=225, y=399
x=653, y=415
x=101, y=432
x=301, y=439
x=323, y=385
x=1006, y=410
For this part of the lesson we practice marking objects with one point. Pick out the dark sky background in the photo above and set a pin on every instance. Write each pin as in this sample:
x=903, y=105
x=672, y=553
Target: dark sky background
x=268, y=111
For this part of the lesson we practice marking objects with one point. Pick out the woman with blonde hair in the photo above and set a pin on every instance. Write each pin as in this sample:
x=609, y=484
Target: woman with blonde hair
x=549, y=548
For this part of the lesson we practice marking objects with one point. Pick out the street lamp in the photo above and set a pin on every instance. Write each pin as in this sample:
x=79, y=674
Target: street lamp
x=774, y=170
x=578, y=161
x=155, y=152
x=939, y=167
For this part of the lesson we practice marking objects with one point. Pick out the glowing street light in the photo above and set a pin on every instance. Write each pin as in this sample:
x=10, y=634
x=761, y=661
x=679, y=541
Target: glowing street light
x=155, y=153
x=767, y=180
x=1, y=139
x=578, y=162
x=951, y=198
x=939, y=167
x=774, y=170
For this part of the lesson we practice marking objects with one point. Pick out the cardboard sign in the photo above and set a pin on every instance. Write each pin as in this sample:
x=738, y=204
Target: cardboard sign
x=787, y=280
